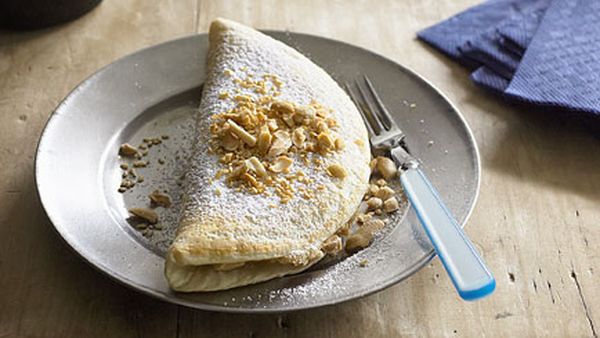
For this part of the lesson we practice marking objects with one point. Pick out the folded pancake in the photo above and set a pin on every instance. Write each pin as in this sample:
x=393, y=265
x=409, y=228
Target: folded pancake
x=280, y=164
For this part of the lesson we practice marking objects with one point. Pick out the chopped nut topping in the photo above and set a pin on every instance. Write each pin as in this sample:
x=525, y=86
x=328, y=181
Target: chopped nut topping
x=264, y=139
x=373, y=190
x=283, y=107
x=336, y=170
x=242, y=133
x=255, y=165
x=259, y=137
x=298, y=137
x=374, y=203
x=281, y=143
x=390, y=205
x=325, y=141
x=363, y=263
x=229, y=142
x=127, y=150
x=141, y=226
x=140, y=164
x=332, y=245
x=386, y=167
x=281, y=164
x=363, y=236
x=384, y=193
x=362, y=218
x=146, y=214
x=159, y=198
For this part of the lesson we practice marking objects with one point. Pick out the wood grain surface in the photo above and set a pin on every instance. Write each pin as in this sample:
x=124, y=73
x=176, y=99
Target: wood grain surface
x=537, y=221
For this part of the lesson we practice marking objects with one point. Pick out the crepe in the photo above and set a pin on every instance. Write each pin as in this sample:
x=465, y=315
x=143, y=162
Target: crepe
x=229, y=238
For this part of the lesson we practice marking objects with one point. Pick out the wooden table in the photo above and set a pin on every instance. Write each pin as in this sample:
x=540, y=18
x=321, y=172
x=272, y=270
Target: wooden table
x=537, y=221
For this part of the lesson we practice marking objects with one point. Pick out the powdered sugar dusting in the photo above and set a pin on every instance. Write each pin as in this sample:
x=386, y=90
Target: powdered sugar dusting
x=296, y=228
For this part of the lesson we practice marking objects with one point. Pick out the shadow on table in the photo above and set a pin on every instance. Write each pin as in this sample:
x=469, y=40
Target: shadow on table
x=542, y=145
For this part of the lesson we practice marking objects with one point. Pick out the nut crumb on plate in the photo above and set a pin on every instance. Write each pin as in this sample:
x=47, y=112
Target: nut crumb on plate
x=140, y=164
x=127, y=149
x=363, y=236
x=374, y=203
x=160, y=198
x=390, y=205
x=146, y=214
x=386, y=167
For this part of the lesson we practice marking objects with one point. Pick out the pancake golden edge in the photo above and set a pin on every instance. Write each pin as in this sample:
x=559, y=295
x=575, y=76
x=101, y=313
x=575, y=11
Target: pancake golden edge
x=227, y=238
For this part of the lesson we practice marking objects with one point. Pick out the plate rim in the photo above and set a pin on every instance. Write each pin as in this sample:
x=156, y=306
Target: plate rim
x=418, y=265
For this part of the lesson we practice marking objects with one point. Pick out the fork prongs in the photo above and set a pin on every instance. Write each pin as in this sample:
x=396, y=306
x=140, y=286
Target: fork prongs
x=361, y=109
x=371, y=109
x=382, y=109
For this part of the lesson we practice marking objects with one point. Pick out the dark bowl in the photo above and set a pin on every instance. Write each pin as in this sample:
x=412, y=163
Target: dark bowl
x=33, y=14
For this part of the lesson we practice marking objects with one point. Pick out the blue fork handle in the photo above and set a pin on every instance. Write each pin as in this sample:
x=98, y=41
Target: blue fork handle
x=466, y=269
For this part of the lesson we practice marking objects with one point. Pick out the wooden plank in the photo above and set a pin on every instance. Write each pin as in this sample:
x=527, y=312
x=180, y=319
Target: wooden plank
x=45, y=289
x=537, y=221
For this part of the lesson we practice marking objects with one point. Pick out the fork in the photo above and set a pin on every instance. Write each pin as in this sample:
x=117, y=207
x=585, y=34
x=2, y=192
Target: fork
x=469, y=274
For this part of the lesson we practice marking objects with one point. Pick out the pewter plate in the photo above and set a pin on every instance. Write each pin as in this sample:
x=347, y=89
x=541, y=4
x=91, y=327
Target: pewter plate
x=155, y=92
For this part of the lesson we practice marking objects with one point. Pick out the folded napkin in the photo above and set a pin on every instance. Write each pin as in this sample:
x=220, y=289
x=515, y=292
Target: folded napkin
x=545, y=52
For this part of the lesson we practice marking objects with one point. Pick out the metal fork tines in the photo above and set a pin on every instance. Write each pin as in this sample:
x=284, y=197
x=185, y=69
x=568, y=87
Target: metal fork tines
x=383, y=130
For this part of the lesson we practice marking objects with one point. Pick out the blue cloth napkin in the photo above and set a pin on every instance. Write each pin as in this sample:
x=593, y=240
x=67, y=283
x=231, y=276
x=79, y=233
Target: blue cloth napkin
x=545, y=52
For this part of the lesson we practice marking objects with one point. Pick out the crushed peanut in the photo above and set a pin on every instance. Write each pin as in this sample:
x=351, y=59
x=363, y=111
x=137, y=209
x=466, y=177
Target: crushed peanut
x=379, y=200
x=281, y=164
x=159, y=198
x=332, y=245
x=363, y=236
x=140, y=164
x=256, y=166
x=374, y=203
x=127, y=149
x=363, y=218
x=390, y=205
x=258, y=140
x=337, y=170
x=384, y=193
x=132, y=158
x=146, y=214
x=386, y=167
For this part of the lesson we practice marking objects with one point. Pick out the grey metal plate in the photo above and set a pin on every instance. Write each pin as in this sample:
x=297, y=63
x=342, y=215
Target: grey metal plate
x=154, y=92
